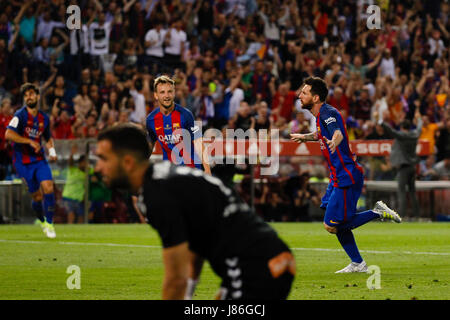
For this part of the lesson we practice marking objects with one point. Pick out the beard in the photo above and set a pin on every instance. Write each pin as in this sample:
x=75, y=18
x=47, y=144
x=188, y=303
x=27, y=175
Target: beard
x=32, y=105
x=308, y=106
x=120, y=181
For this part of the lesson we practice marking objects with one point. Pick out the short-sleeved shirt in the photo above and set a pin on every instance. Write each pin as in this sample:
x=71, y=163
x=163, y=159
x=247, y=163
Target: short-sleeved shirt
x=34, y=128
x=186, y=205
x=175, y=133
x=74, y=187
x=342, y=162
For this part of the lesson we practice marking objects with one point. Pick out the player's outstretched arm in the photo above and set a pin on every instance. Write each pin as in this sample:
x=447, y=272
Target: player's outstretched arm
x=299, y=137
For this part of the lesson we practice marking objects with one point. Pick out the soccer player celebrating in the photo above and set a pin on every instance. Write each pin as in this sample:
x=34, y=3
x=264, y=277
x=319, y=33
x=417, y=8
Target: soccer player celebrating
x=252, y=261
x=346, y=175
x=26, y=130
x=173, y=127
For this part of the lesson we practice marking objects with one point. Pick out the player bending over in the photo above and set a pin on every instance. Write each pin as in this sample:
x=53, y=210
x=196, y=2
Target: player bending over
x=346, y=175
x=205, y=219
x=26, y=130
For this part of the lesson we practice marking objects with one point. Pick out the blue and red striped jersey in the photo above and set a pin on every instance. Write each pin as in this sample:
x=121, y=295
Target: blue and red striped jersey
x=342, y=164
x=33, y=128
x=176, y=133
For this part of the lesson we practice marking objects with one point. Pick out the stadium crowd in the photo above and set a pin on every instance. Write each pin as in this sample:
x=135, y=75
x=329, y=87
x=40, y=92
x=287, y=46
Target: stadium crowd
x=237, y=64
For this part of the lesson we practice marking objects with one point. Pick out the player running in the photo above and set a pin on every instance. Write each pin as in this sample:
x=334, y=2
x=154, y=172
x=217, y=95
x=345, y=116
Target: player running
x=173, y=127
x=206, y=219
x=346, y=175
x=26, y=130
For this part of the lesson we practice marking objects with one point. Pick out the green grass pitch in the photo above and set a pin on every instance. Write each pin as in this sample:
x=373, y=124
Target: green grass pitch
x=124, y=262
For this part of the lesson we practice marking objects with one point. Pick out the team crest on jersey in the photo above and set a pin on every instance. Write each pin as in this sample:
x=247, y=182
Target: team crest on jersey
x=176, y=126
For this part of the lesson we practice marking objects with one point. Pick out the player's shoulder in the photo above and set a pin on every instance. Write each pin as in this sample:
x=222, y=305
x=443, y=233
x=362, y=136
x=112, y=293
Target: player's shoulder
x=152, y=114
x=327, y=111
x=21, y=112
x=185, y=112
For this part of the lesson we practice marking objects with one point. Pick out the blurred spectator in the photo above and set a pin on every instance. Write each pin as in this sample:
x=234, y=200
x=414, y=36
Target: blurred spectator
x=262, y=119
x=243, y=118
x=82, y=102
x=99, y=33
x=442, y=169
x=302, y=197
x=426, y=169
x=154, y=52
x=74, y=188
x=339, y=99
x=429, y=130
x=403, y=157
x=262, y=82
x=62, y=124
x=99, y=194
x=6, y=114
x=443, y=141
x=283, y=102
x=300, y=124
x=272, y=206
x=175, y=42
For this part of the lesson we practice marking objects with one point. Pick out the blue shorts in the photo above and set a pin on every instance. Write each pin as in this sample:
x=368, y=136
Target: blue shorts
x=34, y=173
x=340, y=203
x=73, y=206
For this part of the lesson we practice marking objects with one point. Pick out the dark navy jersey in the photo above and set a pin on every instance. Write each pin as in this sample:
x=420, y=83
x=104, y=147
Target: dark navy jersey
x=342, y=164
x=34, y=128
x=177, y=144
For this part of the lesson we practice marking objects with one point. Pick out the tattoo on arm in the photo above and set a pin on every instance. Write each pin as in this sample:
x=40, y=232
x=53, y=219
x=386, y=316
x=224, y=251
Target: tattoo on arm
x=313, y=136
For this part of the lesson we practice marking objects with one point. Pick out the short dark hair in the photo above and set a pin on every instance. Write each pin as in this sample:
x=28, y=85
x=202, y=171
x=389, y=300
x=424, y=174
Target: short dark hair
x=318, y=86
x=127, y=138
x=28, y=86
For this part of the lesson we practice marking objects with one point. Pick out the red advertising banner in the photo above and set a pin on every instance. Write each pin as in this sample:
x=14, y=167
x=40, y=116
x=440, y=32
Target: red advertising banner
x=291, y=148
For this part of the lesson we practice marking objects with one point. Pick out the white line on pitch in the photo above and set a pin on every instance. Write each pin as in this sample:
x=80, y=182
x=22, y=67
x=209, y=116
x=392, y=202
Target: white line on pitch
x=149, y=246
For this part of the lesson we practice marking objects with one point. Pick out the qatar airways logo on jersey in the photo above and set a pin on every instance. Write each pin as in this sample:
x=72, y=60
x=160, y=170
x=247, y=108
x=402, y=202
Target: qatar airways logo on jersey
x=32, y=132
x=171, y=138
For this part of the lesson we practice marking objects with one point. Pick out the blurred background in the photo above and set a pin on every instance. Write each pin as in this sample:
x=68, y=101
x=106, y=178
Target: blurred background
x=237, y=64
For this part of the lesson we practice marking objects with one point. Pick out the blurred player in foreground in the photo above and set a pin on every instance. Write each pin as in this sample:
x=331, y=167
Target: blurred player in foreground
x=205, y=219
x=26, y=130
x=346, y=175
